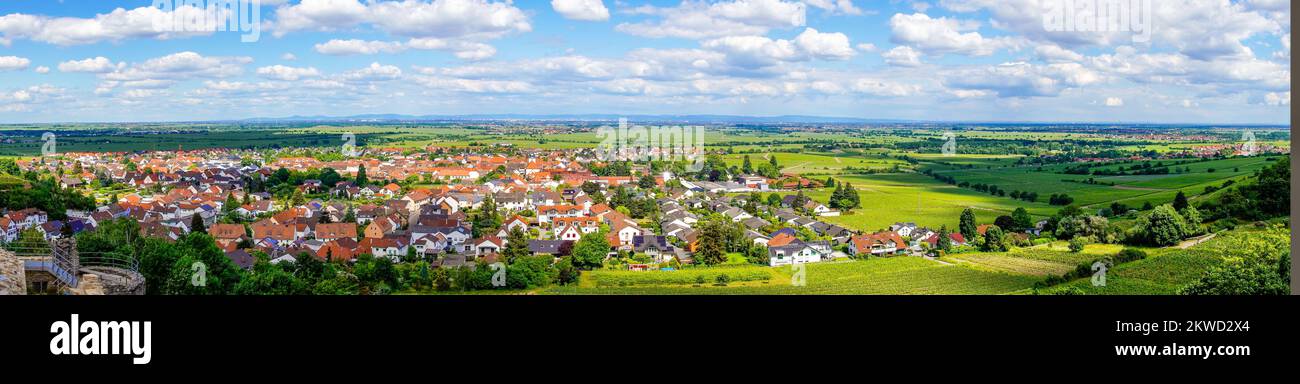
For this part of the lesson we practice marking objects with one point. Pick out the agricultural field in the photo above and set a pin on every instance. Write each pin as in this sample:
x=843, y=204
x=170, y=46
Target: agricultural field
x=880, y=276
x=1165, y=270
x=909, y=197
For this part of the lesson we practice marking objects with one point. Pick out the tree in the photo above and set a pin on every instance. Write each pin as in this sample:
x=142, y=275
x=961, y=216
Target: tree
x=196, y=224
x=993, y=240
x=1005, y=221
x=1021, y=219
x=1192, y=217
x=944, y=242
x=774, y=199
x=967, y=226
x=231, y=203
x=565, y=272
x=516, y=246
x=1077, y=244
x=590, y=251
x=1163, y=226
x=1180, y=201
x=647, y=181
x=270, y=279
x=713, y=242
x=361, y=180
x=747, y=167
x=1243, y=279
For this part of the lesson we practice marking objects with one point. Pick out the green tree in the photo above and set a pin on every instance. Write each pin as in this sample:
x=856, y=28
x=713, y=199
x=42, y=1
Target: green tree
x=361, y=180
x=1180, y=201
x=647, y=181
x=944, y=242
x=270, y=279
x=589, y=253
x=516, y=246
x=993, y=240
x=566, y=272
x=1163, y=226
x=747, y=167
x=196, y=224
x=1022, y=219
x=231, y=204
x=967, y=225
x=713, y=240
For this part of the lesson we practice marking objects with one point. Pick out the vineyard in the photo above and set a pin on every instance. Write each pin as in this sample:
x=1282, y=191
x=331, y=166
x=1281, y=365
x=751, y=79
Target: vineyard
x=881, y=276
x=1164, y=273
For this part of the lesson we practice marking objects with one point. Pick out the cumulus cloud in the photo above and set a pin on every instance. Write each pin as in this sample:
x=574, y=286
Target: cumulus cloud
x=465, y=50
x=286, y=73
x=375, y=72
x=700, y=20
x=584, y=10
x=845, y=7
x=358, y=47
x=939, y=36
x=752, y=52
x=902, y=56
x=1114, y=102
x=13, y=63
x=1022, y=79
x=475, y=19
x=118, y=25
x=92, y=65
x=42, y=69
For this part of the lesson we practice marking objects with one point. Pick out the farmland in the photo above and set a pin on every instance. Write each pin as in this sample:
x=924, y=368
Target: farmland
x=884, y=276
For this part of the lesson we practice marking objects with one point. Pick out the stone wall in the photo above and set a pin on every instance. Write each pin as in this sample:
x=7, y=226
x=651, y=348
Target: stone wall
x=13, y=279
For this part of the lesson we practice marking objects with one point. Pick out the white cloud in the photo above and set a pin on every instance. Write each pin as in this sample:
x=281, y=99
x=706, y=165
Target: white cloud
x=375, y=72
x=118, y=25
x=753, y=52
x=700, y=20
x=1022, y=79
x=836, y=6
x=1278, y=99
x=867, y=47
x=288, y=57
x=13, y=63
x=584, y=10
x=939, y=36
x=1201, y=29
x=473, y=19
x=358, y=47
x=98, y=64
x=902, y=56
x=166, y=71
x=465, y=50
x=1054, y=53
x=827, y=46
x=1114, y=102
x=42, y=69
x=285, y=73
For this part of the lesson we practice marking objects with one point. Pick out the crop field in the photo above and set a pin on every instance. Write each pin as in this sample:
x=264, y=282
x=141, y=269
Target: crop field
x=1166, y=270
x=890, y=198
x=889, y=276
x=1051, y=259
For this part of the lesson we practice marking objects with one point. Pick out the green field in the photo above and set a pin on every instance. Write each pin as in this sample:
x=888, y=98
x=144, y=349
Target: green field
x=908, y=197
x=885, y=276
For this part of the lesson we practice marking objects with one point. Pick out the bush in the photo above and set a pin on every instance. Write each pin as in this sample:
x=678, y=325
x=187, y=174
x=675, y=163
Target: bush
x=1077, y=244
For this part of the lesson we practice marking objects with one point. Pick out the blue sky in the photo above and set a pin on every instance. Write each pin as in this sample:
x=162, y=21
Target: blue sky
x=1207, y=61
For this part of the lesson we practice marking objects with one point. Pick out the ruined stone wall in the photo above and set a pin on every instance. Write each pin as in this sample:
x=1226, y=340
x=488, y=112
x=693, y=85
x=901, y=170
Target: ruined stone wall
x=13, y=279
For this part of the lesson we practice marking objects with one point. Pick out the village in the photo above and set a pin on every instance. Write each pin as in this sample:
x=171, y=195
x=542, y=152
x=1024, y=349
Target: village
x=418, y=205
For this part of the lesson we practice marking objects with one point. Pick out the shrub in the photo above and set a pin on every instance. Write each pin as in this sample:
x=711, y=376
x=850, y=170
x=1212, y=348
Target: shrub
x=1077, y=244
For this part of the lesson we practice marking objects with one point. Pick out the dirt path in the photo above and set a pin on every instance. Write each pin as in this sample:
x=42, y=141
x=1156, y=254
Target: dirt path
x=1193, y=242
